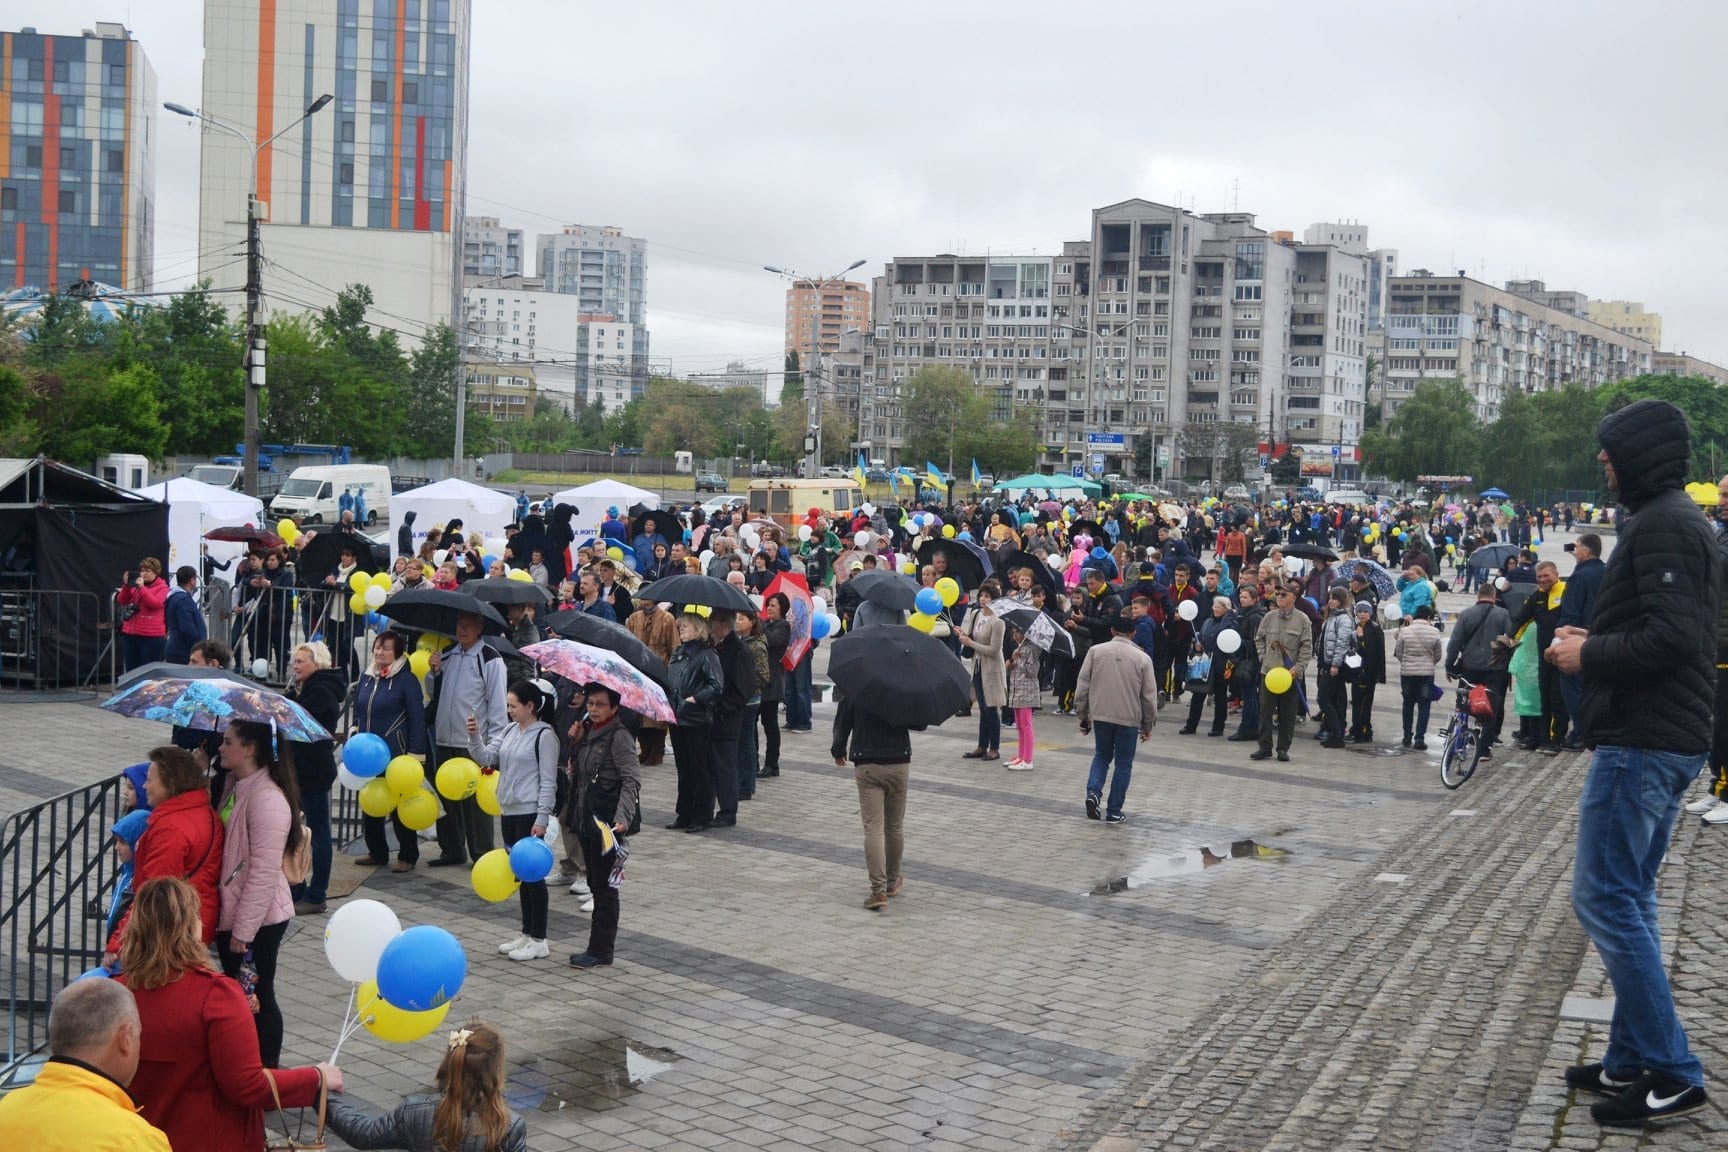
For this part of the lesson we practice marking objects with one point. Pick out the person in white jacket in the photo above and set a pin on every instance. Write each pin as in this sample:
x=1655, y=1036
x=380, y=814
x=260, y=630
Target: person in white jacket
x=525, y=753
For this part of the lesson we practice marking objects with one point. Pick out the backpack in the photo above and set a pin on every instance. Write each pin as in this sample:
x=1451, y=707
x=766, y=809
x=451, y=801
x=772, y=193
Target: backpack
x=297, y=861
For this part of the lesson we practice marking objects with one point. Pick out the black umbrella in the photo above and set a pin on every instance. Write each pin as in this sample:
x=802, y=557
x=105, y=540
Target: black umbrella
x=503, y=590
x=575, y=624
x=323, y=553
x=964, y=564
x=1090, y=528
x=164, y=670
x=1041, y=573
x=1493, y=555
x=889, y=589
x=1041, y=631
x=435, y=610
x=657, y=518
x=900, y=674
x=689, y=588
x=1307, y=551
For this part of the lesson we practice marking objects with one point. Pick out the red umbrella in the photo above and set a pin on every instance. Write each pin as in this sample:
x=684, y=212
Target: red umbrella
x=258, y=538
x=797, y=594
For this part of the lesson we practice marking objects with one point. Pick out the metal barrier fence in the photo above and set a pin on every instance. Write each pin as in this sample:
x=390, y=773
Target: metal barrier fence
x=54, y=639
x=55, y=871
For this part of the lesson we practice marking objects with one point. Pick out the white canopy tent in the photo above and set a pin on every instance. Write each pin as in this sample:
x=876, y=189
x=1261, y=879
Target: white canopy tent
x=480, y=509
x=592, y=500
x=195, y=508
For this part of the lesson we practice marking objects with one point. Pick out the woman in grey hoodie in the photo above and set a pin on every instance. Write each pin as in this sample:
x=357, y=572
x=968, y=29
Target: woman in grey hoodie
x=525, y=753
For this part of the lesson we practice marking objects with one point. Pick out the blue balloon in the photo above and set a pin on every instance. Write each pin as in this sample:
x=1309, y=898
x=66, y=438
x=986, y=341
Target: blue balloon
x=531, y=859
x=96, y=973
x=819, y=627
x=421, y=969
x=964, y=536
x=366, y=754
x=929, y=601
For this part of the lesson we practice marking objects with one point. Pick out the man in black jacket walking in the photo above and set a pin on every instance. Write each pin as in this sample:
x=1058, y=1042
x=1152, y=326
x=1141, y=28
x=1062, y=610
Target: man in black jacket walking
x=739, y=669
x=1649, y=665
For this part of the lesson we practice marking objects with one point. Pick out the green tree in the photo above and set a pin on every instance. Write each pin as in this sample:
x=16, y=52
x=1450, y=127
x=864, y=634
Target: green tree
x=1287, y=469
x=1435, y=432
x=87, y=410
x=931, y=403
x=1001, y=447
x=1703, y=400
x=1514, y=449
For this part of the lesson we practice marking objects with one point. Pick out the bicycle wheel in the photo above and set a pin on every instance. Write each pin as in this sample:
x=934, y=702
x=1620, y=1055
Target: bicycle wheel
x=1459, y=760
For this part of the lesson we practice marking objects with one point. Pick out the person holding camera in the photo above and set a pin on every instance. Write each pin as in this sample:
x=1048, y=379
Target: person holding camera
x=143, y=623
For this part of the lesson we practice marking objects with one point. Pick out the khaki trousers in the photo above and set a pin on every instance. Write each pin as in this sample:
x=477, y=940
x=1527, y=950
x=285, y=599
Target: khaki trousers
x=882, y=803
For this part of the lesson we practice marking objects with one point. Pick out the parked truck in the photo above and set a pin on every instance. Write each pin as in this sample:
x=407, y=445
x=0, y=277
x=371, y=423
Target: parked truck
x=315, y=492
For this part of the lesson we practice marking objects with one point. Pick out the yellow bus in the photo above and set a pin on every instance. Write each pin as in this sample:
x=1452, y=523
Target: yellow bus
x=786, y=500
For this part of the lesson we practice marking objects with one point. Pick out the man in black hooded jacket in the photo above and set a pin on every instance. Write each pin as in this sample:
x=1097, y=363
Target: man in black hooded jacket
x=1649, y=665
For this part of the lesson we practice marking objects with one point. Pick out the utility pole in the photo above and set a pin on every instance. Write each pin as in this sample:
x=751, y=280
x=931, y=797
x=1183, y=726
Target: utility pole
x=255, y=343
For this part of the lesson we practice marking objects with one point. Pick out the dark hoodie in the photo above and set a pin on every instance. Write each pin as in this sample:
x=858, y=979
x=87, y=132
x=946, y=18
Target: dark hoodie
x=1650, y=660
x=405, y=535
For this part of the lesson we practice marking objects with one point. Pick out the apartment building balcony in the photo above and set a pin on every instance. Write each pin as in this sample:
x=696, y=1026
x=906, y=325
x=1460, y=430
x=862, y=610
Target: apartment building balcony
x=1208, y=291
x=1154, y=263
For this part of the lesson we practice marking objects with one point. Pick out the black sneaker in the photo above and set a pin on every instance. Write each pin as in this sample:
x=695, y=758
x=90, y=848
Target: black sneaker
x=1093, y=808
x=1262, y=754
x=1652, y=1098
x=1592, y=1078
x=1118, y=818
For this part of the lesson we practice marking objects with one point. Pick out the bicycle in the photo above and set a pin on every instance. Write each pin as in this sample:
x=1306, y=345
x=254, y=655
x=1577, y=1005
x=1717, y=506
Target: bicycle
x=1461, y=743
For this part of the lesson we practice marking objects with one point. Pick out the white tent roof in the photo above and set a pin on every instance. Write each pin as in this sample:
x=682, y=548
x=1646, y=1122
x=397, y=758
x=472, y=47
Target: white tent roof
x=195, y=508
x=592, y=500
x=481, y=510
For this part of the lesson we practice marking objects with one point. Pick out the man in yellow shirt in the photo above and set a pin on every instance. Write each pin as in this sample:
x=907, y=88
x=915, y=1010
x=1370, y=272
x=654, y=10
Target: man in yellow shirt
x=78, y=1102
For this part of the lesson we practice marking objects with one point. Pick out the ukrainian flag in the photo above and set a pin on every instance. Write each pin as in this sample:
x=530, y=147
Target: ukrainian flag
x=976, y=475
x=894, y=483
x=934, y=475
x=858, y=470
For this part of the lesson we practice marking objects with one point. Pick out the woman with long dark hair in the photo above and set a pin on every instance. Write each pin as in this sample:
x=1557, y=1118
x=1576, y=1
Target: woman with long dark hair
x=260, y=810
x=525, y=753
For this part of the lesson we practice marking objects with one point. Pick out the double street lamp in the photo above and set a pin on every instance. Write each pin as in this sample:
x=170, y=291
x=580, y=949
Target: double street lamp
x=255, y=349
x=812, y=388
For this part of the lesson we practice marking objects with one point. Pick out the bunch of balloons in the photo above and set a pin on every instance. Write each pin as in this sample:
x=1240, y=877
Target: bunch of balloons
x=824, y=625
x=369, y=592
x=398, y=784
x=285, y=528
x=420, y=660
x=930, y=601
x=498, y=873
x=403, y=981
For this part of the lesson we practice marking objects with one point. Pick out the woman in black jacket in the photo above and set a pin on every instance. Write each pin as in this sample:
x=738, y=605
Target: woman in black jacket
x=777, y=631
x=388, y=704
x=1371, y=646
x=320, y=690
x=696, y=685
x=606, y=785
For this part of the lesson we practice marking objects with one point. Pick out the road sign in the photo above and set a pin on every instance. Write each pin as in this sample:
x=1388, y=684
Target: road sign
x=1265, y=460
x=1106, y=440
x=1336, y=451
x=1079, y=471
x=1098, y=463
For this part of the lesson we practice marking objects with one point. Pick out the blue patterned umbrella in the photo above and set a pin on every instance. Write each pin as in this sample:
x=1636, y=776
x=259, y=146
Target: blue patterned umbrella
x=1383, y=581
x=211, y=704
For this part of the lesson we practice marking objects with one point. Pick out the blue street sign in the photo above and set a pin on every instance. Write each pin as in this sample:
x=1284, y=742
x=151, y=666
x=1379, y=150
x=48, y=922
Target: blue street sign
x=1079, y=471
x=1264, y=461
x=1098, y=463
x=1336, y=451
x=1106, y=440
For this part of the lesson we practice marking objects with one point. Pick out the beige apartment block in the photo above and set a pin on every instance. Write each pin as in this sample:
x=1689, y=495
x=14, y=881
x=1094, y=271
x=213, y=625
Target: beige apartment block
x=819, y=313
x=1628, y=317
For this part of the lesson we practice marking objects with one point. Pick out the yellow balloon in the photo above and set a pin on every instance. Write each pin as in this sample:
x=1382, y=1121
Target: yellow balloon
x=418, y=810
x=377, y=798
x=521, y=574
x=388, y=1022
x=1278, y=681
x=948, y=531
x=379, y=580
x=615, y=552
x=357, y=604
x=458, y=778
x=486, y=795
x=285, y=528
x=492, y=876
x=949, y=589
x=358, y=581
x=404, y=774
x=432, y=642
x=420, y=662
x=922, y=622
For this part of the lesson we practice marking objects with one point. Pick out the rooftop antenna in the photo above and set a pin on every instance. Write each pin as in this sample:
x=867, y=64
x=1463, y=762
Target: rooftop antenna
x=1235, y=194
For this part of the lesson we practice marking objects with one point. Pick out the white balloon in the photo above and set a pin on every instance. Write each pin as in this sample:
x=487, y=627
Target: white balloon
x=349, y=781
x=1293, y=564
x=375, y=596
x=357, y=935
x=862, y=538
x=440, y=556
x=804, y=532
x=1229, y=641
x=1393, y=610
x=1055, y=563
x=705, y=557
x=1501, y=583
x=833, y=625
x=819, y=605
x=1188, y=609
x=1353, y=661
x=260, y=668
x=494, y=546
x=867, y=509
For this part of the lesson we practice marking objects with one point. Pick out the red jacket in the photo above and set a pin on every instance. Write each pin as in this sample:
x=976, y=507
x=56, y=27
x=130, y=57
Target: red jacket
x=149, y=620
x=183, y=839
x=199, y=1079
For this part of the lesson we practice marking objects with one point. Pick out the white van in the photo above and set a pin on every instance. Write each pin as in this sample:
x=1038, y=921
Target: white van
x=315, y=492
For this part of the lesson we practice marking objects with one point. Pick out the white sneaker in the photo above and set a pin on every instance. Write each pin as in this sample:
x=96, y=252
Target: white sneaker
x=510, y=946
x=580, y=888
x=531, y=950
x=1717, y=815
x=1020, y=766
x=1701, y=805
x=587, y=904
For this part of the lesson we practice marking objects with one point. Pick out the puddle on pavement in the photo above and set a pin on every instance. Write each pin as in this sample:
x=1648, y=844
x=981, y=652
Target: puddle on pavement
x=1379, y=750
x=1168, y=865
x=593, y=1076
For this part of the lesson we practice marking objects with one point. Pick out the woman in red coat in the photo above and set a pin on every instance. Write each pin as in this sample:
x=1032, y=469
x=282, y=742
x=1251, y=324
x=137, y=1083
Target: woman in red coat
x=183, y=838
x=143, y=634
x=199, y=1078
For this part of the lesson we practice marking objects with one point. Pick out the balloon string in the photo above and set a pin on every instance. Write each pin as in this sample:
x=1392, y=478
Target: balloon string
x=347, y=1016
x=360, y=1018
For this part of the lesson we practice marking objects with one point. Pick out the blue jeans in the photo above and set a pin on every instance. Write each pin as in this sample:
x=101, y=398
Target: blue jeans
x=315, y=807
x=1572, y=692
x=1625, y=816
x=798, y=695
x=1112, y=741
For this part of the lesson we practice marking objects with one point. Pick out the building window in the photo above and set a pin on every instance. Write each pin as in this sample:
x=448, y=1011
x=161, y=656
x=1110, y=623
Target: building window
x=410, y=92
x=116, y=160
x=345, y=176
x=380, y=91
x=117, y=75
x=68, y=202
x=8, y=198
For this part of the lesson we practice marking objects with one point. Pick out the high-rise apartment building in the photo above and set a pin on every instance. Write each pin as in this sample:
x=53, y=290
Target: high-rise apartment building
x=1680, y=364
x=370, y=189
x=604, y=269
x=1326, y=386
x=77, y=167
x=818, y=313
x=1352, y=237
x=490, y=250
x=1628, y=318
x=1453, y=327
x=1567, y=300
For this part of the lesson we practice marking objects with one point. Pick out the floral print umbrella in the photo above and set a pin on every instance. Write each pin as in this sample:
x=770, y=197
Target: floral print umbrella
x=211, y=704
x=585, y=664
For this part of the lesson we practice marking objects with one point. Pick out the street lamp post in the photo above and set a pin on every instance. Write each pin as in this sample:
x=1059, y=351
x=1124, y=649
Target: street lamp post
x=1095, y=379
x=812, y=391
x=255, y=209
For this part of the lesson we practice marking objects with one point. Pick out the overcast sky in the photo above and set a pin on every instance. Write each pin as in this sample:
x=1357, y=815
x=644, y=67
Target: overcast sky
x=1577, y=141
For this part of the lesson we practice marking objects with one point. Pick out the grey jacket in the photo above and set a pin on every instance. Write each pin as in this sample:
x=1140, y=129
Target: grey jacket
x=1117, y=685
x=1471, y=644
x=528, y=760
x=1337, y=639
x=408, y=1127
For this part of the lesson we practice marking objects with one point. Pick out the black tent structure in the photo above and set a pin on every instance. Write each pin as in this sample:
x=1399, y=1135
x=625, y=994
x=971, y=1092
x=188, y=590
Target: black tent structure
x=65, y=538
